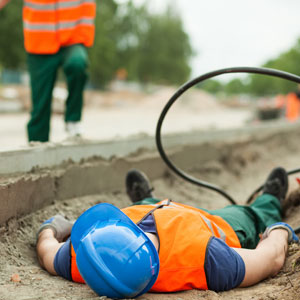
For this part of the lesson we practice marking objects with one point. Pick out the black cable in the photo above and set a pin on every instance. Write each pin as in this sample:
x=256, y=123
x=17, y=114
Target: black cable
x=188, y=85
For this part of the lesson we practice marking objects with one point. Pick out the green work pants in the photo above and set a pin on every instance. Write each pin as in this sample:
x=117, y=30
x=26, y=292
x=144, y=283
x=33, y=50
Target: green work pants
x=247, y=221
x=43, y=71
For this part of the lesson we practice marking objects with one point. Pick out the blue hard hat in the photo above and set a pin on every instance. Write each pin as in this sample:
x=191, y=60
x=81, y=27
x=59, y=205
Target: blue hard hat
x=113, y=255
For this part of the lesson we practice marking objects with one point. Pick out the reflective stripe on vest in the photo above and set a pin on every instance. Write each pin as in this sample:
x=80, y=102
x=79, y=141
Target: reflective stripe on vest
x=51, y=24
x=183, y=233
x=52, y=5
x=214, y=228
x=58, y=25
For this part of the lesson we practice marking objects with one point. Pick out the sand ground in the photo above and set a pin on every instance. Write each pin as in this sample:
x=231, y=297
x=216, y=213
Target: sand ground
x=238, y=168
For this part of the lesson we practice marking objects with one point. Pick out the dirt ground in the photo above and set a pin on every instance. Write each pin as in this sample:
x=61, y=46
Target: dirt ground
x=237, y=168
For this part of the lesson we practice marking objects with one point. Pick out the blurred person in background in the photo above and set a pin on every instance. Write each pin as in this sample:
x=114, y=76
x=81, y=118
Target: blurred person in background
x=56, y=34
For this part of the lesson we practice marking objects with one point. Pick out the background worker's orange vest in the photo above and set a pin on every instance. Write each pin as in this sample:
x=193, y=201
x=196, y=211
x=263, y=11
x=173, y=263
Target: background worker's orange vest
x=292, y=107
x=51, y=24
x=183, y=233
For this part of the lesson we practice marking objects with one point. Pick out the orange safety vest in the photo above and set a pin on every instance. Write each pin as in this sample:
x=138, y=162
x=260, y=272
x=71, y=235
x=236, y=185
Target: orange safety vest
x=292, y=107
x=51, y=24
x=75, y=275
x=183, y=232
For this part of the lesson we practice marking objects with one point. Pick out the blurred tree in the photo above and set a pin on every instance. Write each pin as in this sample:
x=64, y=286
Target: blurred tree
x=103, y=54
x=151, y=48
x=263, y=85
x=117, y=38
x=12, y=54
x=235, y=86
x=133, y=23
x=164, y=50
x=211, y=86
x=288, y=61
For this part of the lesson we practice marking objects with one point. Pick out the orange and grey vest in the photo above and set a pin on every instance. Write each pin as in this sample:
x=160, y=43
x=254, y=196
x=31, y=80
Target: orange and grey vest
x=183, y=232
x=51, y=24
x=292, y=107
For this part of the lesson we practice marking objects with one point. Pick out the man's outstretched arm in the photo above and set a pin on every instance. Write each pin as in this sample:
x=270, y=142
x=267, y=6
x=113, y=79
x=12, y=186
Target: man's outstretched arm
x=267, y=259
x=47, y=247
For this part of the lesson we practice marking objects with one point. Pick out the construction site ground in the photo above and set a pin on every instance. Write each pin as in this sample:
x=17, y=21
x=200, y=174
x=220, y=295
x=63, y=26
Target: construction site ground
x=234, y=153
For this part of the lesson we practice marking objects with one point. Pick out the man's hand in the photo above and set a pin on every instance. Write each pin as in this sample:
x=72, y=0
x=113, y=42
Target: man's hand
x=281, y=225
x=59, y=225
x=3, y=3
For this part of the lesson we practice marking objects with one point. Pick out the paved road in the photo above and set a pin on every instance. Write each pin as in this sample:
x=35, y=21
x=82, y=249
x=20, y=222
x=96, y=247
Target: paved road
x=108, y=124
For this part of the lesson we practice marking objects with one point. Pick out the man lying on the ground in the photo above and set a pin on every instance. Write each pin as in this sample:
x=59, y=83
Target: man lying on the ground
x=163, y=246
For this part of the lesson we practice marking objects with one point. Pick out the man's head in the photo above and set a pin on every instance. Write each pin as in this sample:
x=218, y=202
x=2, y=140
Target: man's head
x=113, y=255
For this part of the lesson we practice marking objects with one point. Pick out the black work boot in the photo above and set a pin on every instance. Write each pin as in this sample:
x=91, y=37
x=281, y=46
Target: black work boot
x=277, y=184
x=138, y=186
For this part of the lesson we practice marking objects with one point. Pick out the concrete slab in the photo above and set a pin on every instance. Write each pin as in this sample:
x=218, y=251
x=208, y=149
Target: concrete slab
x=22, y=195
x=47, y=155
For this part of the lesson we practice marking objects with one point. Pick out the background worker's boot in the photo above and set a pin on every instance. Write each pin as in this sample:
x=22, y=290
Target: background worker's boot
x=73, y=129
x=138, y=186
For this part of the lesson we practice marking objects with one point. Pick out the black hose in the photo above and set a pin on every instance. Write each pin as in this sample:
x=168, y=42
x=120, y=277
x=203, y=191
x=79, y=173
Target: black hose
x=188, y=85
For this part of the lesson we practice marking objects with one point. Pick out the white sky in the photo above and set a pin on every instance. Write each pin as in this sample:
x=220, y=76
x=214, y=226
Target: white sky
x=231, y=33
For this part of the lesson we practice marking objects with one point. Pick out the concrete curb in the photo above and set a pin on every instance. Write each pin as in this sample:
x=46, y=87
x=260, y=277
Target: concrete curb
x=49, y=155
x=37, y=176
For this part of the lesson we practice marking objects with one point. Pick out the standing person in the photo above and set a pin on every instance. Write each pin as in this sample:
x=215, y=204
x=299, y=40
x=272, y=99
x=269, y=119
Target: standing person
x=56, y=34
x=164, y=246
x=292, y=107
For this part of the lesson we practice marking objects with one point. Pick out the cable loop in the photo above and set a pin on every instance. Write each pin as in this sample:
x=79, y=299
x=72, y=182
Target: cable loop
x=188, y=85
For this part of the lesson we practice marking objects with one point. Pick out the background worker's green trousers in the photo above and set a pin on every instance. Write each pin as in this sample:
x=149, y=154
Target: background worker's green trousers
x=43, y=71
x=247, y=221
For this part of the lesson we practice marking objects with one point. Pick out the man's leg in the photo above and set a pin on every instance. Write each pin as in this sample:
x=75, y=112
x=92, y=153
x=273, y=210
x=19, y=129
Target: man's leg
x=147, y=201
x=267, y=209
x=75, y=62
x=42, y=70
x=249, y=221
